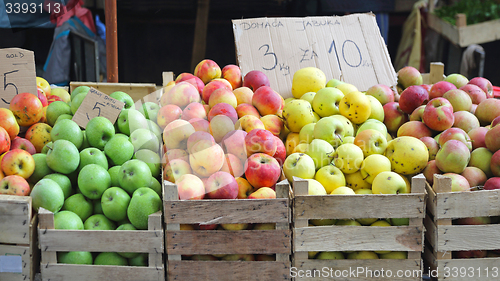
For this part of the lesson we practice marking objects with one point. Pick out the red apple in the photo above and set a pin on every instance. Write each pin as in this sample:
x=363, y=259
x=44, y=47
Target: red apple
x=27, y=109
x=200, y=124
x=18, y=162
x=465, y=121
x=207, y=70
x=176, y=153
x=182, y=94
x=175, y=168
x=492, y=183
x=255, y=79
x=492, y=138
x=194, y=110
x=259, y=140
x=459, y=99
x=438, y=114
x=196, y=137
x=382, y=93
x=394, y=117
x=5, y=141
x=190, y=78
x=455, y=134
x=208, y=227
x=262, y=170
x=280, y=154
x=233, y=165
x=167, y=114
x=484, y=84
x=458, y=182
x=430, y=170
x=9, y=123
x=221, y=185
x=266, y=100
x=417, y=114
x=477, y=137
x=488, y=110
x=53, y=98
x=190, y=187
x=24, y=144
x=234, y=143
x=473, y=221
x=438, y=89
x=223, y=109
x=432, y=146
x=408, y=76
x=210, y=88
x=247, y=109
x=42, y=97
x=232, y=73
x=415, y=129
x=475, y=176
x=413, y=97
x=14, y=185
x=476, y=94
x=495, y=164
x=263, y=193
x=244, y=188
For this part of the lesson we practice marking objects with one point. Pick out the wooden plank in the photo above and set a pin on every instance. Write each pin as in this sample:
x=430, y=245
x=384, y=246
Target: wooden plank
x=136, y=241
x=468, y=237
x=15, y=217
x=155, y=224
x=283, y=191
x=170, y=194
x=62, y=272
x=417, y=186
x=354, y=270
x=167, y=76
x=483, y=203
x=207, y=242
x=227, y=211
x=46, y=222
x=430, y=232
x=436, y=72
x=360, y=206
x=358, y=238
x=476, y=269
x=228, y=270
x=431, y=200
x=24, y=252
x=134, y=90
x=300, y=189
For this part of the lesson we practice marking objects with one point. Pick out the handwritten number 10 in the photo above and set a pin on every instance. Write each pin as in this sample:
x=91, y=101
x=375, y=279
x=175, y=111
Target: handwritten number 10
x=267, y=53
x=334, y=47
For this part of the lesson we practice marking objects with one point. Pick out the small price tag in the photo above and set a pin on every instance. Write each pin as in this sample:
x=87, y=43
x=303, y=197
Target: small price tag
x=96, y=104
x=18, y=75
x=12, y=264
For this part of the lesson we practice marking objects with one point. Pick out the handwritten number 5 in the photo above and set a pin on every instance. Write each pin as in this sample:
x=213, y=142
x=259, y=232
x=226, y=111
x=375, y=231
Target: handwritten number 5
x=269, y=53
x=98, y=109
x=5, y=84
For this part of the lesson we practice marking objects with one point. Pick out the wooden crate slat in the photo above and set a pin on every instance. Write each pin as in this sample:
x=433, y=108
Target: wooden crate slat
x=486, y=267
x=361, y=266
x=24, y=252
x=360, y=206
x=207, y=242
x=15, y=217
x=227, y=211
x=482, y=203
x=430, y=232
x=468, y=237
x=61, y=272
x=228, y=270
x=358, y=238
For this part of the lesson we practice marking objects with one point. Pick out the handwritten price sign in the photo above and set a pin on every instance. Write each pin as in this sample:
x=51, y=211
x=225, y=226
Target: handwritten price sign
x=97, y=104
x=18, y=75
x=349, y=48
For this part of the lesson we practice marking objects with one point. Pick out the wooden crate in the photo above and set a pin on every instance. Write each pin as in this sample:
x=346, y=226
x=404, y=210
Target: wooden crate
x=53, y=240
x=462, y=34
x=18, y=237
x=443, y=238
x=206, y=242
x=135, y=90
x=358, y=238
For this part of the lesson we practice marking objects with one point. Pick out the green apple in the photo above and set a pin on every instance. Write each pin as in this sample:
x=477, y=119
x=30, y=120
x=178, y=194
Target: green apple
x=46, y=147
x=306, y=134
x=389, y=183
x=130, y=120
x=349, y=139
x=92, y=155
x=299, y=165
x=98, y=222
x=330, y=256
x=140, y=260
x=334, y=82
x=348, y=125
x=119, y=149
x=126, y=226
x=400, y=221
x=153, y=127
x=144, y=139
x=79, y=205
x=373, y=124
x=85, y=142
x=366, y=221
x=309, y=96
x=348, y=222
x=457, y=79
x=108, y=258
x=77, y=101
x=149, y=110
x=47, y=194
x=348, y=158
x=63, y=157
x=152, y=159
x=76, y=257
x=93, y=180
x=396, y=255
x=123, y=97
x=481, y=158
x=99, y=131
x=326, y=101
x=114, y=203
x=78, y=90
x=133, y=175
x=373, y=165
x=67, y=130
x=67, y=220
x=143, y=203
x=362, y=255
x=377, y=110
x=114, y=173
x=330, y=177
x=41, y=168
x=331, y=130
x=56, y=109
x=296, y=114
x=64, y=183
x=97, y=206
x=155, y=185
x=64, y=117
x=321, y=152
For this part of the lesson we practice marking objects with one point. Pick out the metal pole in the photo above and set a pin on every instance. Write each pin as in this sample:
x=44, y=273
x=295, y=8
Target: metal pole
x=111, y=41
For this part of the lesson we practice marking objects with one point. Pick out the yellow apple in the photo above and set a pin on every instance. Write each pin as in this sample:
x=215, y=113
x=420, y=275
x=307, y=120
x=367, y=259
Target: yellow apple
x=301, y=148
x=373, y=165
x=297, y=113
x=311, y=255
x=292, y=140
x=330, y=177
x=389, y=183
x=356, y=181
x=326, y=101
x=377, y=110
x=363, y=191
x=356, y=107
x=348, y=158
x=309, y=96
x=299, y=165
x=349, y=139
x=362, y=255
x=371, y=142
x=346, y=88
x=315, y=188
x=330, y=256
x=348, y=222
x=248, y=123
x=343, y=190
x=321, y=152
x=264, y=226
x=306, y=134
x=408, y=155
x=348, y=125
x=307, y=79
x=367, y=221
x=234, y=226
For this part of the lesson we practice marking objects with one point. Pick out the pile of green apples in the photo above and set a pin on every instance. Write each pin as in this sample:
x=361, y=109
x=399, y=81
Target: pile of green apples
x=106, y=177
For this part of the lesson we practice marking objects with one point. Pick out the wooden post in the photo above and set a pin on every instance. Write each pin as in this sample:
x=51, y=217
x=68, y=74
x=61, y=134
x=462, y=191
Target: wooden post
x=300, y=187
x=436, y=72
x=170, y=194
x=442, y=184
x=282, y=191
x=460, y=20
x=46, y=221
x=417, y=186
x=200, y=32
x=111, y=41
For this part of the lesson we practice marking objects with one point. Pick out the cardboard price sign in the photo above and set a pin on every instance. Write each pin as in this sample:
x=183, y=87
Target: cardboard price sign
x=349, y=48
x=18, y=75
x=97, y=104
